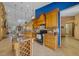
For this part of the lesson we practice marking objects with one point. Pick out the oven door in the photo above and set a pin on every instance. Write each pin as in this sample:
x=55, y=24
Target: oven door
x=39, y=38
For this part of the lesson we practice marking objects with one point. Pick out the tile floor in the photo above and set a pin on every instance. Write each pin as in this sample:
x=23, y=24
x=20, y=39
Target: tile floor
x=5, y=48
x=40, y=50
x=71, y=47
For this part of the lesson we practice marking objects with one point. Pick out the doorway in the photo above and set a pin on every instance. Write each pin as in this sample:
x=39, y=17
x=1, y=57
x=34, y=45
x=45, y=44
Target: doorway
x=69, y=29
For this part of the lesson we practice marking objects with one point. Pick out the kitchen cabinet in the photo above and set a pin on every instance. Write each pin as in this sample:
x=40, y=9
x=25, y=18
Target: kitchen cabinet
x=50, y=41
x=35, y=23
x=3, y=26
x=28, y=34
x=39, y=21
x=51, y=22
x=52, y=18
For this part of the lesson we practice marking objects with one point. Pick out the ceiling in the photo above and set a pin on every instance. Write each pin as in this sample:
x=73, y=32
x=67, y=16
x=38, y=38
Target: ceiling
x=72, y=11
x=19, y=12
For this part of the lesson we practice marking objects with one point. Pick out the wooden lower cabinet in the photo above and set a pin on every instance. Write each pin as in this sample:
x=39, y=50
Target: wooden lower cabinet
x=28, y=34
x=50, y=41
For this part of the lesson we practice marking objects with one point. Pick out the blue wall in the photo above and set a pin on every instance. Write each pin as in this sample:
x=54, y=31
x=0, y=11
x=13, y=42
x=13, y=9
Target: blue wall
x=49, y=7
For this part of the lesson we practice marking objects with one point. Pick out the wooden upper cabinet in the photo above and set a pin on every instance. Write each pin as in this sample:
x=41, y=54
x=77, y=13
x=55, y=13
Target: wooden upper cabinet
x=52, y=19
x=34, y=23
x=41, y=19
x=38, y=21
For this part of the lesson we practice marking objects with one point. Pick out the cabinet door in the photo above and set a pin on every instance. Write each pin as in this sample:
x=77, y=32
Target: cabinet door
x=41, y=19
x=50, y=41
x=52, y=19
x=35, y=23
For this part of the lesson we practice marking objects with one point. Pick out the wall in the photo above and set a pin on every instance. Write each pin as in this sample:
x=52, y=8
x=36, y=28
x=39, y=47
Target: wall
x=67, y=19
x=76, y=27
